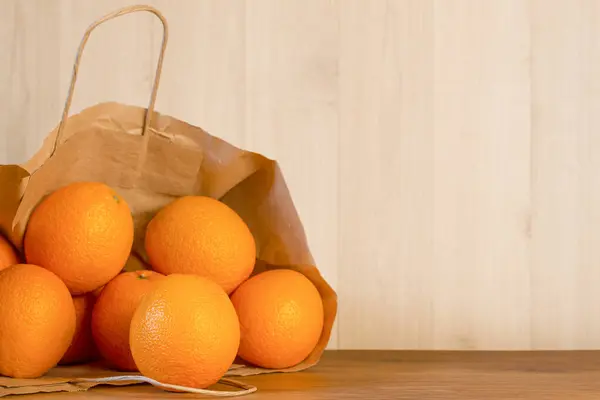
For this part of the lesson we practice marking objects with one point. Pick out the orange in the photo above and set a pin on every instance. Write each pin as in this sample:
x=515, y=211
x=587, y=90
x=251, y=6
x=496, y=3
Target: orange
x=82, y=348
x=185, y=332
x=281, y=318
x=8, y=255
x=37, y=320
x=83, y=232
x=203, y=236
x=112, y=315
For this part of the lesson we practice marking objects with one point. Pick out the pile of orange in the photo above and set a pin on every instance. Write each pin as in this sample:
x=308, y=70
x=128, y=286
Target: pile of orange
x=182, y=321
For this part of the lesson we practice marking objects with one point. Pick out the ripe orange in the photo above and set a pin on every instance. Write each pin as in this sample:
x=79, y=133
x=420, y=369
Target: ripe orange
x=82, y=232
x=185, y=332
x=37, y=320
x=112, y=314
x=203, y=236
x=8, y=255
x=281, y=318
x=82, y=348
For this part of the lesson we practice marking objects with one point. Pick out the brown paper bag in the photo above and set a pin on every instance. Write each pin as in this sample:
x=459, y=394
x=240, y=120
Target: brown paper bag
x=151, y=159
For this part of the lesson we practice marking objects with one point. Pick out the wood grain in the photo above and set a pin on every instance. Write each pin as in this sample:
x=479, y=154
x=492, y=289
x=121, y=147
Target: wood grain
x=480, y=278
x=29, y=70
x=412, y=376
x=442, y=155
x=386, y=174
x=565, y=163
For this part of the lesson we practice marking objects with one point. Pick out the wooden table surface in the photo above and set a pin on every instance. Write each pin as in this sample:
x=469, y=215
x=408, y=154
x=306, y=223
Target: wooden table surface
x=410, y=375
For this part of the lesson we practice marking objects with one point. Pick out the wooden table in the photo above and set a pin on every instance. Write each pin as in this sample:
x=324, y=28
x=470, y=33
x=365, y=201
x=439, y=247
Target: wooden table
x=410, y=375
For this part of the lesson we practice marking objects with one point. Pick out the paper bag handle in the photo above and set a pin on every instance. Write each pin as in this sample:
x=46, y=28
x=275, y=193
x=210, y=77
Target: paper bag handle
x=86, y=36
x=246, y=389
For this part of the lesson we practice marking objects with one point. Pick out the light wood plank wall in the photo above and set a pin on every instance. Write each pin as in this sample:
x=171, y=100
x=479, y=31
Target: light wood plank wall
x=444, y=154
